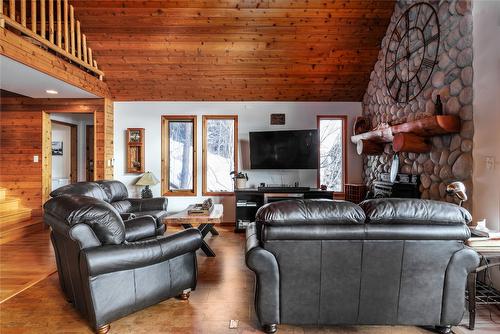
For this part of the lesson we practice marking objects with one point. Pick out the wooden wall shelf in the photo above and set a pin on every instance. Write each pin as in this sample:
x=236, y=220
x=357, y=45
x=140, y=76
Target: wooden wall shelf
x=135, y=150
x=407, y=137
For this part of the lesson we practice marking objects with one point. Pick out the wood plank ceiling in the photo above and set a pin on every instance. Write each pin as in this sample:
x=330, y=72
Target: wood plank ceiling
x=217, y=50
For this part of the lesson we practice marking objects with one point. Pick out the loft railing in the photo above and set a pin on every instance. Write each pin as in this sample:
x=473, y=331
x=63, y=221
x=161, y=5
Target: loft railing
x=52, y=24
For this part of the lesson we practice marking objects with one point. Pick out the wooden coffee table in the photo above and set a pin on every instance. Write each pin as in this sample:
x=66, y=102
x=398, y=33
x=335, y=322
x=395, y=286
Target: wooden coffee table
x=205, y=223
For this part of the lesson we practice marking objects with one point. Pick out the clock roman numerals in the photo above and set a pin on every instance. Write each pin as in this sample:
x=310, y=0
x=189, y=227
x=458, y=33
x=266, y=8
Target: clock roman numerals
x=418, y=14
x=428, y=63
x=392, y=81
x=409, y=57
x=431, y=39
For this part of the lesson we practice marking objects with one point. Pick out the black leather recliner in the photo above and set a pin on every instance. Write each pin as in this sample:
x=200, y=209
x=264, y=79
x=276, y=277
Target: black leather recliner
x=385, y=262
x=116, y=193
x=108, y=268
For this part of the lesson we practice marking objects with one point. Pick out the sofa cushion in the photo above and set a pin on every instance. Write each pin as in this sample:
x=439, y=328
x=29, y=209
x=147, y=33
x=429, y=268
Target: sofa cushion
x=102, y=218
x=122, y=206
x=413, y=211
x=312, y=211
x=91, y=189
x=115, y=190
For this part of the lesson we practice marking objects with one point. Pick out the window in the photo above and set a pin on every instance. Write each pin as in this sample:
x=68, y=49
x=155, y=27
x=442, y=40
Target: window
x=220, y=152
x=179, y=155
x=332, y=152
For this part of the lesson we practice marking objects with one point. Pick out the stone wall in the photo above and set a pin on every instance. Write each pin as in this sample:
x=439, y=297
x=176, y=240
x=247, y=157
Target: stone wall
x=451, y=155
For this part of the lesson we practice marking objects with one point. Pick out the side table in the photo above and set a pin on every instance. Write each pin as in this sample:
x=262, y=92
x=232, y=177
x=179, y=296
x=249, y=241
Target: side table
x=479, y=293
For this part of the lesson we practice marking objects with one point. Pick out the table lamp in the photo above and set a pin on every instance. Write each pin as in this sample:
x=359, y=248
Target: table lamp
x=457, y=188
x=147, y=179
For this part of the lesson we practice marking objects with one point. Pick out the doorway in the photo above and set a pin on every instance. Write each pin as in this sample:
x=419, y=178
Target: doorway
x=68, y=154
x=64, y=156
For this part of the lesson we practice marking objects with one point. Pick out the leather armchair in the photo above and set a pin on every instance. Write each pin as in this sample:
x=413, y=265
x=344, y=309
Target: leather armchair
x=109, y=268
x=385, y=262
x=116, y=193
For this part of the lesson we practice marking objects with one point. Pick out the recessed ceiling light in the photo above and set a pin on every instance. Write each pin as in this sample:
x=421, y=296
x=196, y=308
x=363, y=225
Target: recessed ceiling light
x=51, y=91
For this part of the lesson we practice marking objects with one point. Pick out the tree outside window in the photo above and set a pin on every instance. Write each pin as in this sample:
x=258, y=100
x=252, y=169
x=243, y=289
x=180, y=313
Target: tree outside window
x=179, y=155
x=332, y=152
x=219, y=154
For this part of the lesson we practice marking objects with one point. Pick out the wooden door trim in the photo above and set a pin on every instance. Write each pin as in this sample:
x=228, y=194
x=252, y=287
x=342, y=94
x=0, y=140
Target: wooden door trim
x=87, y=178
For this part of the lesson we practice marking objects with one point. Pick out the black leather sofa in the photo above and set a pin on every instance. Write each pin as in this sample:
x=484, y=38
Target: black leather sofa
x=107, y=268
x=116, y=193
x=384, y=262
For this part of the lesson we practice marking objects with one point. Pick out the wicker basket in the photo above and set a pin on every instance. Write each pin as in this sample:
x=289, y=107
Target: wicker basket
x=355, y=193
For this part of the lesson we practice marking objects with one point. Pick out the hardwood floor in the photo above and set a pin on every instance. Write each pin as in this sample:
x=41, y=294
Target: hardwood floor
x=224, y=292
x=25, y=262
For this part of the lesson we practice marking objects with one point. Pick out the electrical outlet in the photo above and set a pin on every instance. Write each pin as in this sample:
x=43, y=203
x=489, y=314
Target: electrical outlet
x=233, y=324
x=35, y=158
x=490, y=162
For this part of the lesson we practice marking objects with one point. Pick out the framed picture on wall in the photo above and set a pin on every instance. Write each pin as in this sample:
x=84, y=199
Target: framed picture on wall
x=57, y=148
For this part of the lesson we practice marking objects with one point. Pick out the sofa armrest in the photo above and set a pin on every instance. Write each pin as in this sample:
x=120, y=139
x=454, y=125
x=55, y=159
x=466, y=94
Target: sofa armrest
x=127, y=216
x=140, y=228
x=149, y=204
x=461, y=264
x=264, y=265
x=111, y=258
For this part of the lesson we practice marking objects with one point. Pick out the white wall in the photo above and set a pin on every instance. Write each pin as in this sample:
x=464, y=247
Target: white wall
x=81, y=120
x=486, y=104
x=252, y=116
x=61, y=164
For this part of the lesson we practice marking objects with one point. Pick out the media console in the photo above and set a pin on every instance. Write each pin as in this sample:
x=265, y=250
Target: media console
x=248, y=201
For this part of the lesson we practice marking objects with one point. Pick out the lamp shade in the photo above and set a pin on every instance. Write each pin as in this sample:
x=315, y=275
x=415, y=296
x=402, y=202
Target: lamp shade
x=147, y=179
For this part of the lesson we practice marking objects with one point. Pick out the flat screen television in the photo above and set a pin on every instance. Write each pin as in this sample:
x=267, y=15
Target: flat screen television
x=284, y=149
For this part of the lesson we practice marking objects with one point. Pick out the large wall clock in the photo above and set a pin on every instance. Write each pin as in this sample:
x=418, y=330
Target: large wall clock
x=412, y=52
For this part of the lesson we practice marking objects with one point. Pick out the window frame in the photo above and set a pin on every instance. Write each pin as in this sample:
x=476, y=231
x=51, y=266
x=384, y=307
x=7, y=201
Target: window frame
x=206, y=118
x=343, y=118
x=165, y=155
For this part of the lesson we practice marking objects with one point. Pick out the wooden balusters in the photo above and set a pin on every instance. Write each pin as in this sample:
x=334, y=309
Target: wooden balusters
x=84, y=49
x=23, y=13
x=42, y=18
x=12, y=9
x=64, y=35
x=66, y=30
x=33, y=16
x=2, y=23
x=78, y=40
x=72, y=28
x=59, y=24
x=51, y=21
x=90, y=56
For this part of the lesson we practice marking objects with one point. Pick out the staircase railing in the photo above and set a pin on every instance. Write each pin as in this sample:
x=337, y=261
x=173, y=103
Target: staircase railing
x=51, y=24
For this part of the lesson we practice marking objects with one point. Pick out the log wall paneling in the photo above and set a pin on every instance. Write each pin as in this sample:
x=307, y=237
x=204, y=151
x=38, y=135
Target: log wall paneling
x=21, y=139
x=235, y=50
x=23, y=123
